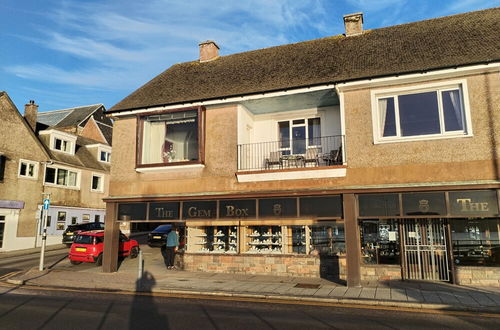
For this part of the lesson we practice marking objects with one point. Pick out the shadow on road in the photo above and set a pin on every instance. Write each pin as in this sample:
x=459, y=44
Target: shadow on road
x=144, y=313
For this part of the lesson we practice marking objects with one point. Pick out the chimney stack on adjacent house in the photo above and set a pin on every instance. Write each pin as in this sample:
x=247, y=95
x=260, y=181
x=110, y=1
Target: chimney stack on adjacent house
x=31, y=114
x=208, y=51
x=353, y=24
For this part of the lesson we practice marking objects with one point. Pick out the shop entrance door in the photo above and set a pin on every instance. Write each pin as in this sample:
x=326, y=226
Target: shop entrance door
x=425, y=254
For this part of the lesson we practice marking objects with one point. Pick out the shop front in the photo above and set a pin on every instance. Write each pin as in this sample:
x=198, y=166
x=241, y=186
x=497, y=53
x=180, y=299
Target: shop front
x=301, y=236
x=438, y=236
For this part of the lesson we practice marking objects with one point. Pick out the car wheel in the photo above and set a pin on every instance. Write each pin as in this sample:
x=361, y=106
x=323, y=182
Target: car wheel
x=68, y=245
x=74, y=262
x=134, y=252
x=98, y=261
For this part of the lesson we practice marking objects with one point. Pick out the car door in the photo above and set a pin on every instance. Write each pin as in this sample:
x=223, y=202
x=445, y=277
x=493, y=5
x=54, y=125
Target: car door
x=124, y=244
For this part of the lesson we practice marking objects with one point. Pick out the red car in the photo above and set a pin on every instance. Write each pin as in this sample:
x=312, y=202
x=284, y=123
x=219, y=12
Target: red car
x=88, y=247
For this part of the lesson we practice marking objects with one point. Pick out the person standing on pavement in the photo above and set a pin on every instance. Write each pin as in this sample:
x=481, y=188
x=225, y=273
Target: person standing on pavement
x=171, y=246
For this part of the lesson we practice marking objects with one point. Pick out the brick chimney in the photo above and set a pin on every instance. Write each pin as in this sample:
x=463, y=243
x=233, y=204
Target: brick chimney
x=31, y=114
x=353, y=24
x=208, y=51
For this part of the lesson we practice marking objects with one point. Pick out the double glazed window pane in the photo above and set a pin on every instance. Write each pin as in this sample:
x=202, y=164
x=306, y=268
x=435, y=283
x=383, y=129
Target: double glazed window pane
x=314, y=127
x=452, y=110
x=419, y=114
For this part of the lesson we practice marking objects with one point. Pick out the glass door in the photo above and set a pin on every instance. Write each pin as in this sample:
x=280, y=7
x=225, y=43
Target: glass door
x=298, y=137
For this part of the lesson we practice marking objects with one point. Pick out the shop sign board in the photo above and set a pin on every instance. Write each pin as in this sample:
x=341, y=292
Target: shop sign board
x=278, y=207
x=477, y=203
x=241, y=208
x=164, y=211
x=321, y=206
x=371, y=205
x=132, y=211
x=199, y=210
x=424, y=203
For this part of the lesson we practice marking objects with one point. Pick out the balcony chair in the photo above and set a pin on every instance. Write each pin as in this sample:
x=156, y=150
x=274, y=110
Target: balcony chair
x=334, y=157
x=312, y=156
x=274, y=159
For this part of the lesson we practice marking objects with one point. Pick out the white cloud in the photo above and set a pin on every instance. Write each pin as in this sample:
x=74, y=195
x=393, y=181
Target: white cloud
x=116, y=42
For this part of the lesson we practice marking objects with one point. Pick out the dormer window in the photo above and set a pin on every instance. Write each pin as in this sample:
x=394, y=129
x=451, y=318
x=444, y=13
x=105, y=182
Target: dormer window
x=105, y=156
x=60, y=141
x=62, y=145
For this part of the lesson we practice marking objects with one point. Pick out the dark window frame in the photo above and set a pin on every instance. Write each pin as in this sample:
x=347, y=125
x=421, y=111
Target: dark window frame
x=141, y=119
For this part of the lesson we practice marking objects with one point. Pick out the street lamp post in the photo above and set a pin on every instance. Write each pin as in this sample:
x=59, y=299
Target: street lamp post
x=46, y=204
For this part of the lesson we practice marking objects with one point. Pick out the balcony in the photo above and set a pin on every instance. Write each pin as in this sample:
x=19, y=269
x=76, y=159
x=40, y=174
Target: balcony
x=308, y=158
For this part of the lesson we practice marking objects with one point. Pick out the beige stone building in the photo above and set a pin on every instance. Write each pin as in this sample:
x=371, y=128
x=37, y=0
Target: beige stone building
x=372, y=155
x=64, y=153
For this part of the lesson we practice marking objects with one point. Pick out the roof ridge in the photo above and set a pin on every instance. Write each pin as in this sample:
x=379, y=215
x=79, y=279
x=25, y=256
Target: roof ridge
x=340, y=36
x=73, y=108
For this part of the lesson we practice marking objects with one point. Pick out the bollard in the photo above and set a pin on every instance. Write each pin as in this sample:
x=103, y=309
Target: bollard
x=141, y=265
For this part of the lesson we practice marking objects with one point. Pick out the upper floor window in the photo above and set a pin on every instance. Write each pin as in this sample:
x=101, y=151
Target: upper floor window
x=3, y=160
x=429, y=112
x=28, y=169
x=105, y=156
x=62, y=145
x=171, y=138
x=97, y=183
x=297, y=135
x=61, y=177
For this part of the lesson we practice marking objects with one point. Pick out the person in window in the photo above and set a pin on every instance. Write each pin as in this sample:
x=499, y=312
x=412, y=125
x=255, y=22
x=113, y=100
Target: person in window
x=171, y=245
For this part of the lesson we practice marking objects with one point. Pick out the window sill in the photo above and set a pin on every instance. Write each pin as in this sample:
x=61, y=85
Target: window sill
x=169, y=168
x=27, y=177
x=422, y=138
x=59, y=186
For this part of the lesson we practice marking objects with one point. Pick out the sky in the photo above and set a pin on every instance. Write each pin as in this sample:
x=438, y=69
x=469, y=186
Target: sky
x=64, y=53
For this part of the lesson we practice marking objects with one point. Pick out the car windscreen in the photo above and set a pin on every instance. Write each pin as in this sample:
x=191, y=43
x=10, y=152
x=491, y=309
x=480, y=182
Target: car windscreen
x=163, y=228
x=84, y=239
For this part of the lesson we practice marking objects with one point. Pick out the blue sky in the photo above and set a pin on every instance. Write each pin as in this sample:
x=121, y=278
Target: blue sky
x=64, y=53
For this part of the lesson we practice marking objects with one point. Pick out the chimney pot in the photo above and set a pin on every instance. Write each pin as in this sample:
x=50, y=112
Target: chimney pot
x=31, y=114
x=208, y=51
x=353, y=24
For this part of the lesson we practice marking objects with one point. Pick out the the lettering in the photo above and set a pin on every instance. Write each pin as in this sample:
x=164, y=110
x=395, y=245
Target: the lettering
x=468, y=206
x=232, y=211
x=162, y=213
x=194, y=212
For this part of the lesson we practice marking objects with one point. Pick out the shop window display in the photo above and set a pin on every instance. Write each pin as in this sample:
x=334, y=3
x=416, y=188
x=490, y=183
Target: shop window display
x=296, y=239
x=380, y=241
x=264, y=239
x=476, y=242
x=328, y=239
x=213, y=239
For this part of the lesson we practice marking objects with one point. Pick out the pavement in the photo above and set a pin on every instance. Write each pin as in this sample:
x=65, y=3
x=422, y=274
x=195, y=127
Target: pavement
x=156, y=279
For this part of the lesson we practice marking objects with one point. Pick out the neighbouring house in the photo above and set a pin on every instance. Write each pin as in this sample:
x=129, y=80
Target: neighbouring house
x=64, y=153
x=367, y=156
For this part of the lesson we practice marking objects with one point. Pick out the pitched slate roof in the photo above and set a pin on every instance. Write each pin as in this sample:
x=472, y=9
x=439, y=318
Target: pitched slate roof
x=451, y=41
x=67, y=117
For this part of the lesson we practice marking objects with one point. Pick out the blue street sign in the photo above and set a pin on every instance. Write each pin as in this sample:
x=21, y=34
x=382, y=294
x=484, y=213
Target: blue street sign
x=46, y=203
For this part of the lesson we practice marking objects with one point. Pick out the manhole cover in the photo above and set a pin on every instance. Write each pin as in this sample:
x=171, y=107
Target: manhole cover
x=219, y=282
x=182, y=280
x=307, y=286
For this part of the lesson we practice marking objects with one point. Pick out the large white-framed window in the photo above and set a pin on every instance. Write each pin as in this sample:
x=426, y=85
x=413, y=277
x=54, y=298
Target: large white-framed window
x=28, y=169
x=97, y=183
x=61, y=177
x=427, y=111
x=296, y=135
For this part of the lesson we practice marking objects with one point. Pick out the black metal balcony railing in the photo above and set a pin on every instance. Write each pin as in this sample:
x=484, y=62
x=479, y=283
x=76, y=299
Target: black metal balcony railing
x=293, y=153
